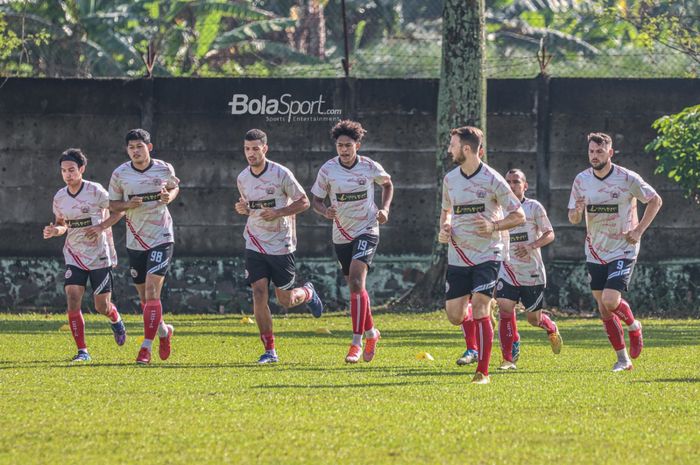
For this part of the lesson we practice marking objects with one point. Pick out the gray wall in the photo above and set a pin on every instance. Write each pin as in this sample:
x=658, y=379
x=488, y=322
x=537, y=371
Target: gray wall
x=535, y=125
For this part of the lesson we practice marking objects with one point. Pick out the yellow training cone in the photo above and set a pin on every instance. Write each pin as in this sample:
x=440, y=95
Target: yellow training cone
x=140, y=340
x=323, y=331
x=246, y=320
x=424, y=356
x=64, y=328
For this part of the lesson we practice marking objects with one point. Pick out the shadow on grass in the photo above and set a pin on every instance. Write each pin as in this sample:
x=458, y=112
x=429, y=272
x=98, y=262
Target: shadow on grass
x=338, y=386
x=669, y=380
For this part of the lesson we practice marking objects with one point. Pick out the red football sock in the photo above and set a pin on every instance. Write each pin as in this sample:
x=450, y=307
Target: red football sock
x=484, y=338
x=547, y=324
x=624, y=312
x=113, y=314
x=77, y=328
x=357, y=313
x=506, y=334
x=268, y=340
x=152, y=314
x=469, y=331
x=615, y=333
x=367, y=310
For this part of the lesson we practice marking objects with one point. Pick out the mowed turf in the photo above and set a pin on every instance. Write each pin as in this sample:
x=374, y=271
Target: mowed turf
x=211, y=404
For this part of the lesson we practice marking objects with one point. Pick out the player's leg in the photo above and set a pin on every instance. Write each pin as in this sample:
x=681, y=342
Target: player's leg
x=364, y=248
x=532, y=298
x=619, y=275
x=283, y=277
x=507, y=297
x=74, y=286
x=484, y=278
x=471, y=354
x=101, y=281
x=158, y=263
x=359, y=303
x=258, y=275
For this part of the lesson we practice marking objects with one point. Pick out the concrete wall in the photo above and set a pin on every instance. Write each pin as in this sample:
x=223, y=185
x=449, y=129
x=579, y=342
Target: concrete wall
x=535, y=125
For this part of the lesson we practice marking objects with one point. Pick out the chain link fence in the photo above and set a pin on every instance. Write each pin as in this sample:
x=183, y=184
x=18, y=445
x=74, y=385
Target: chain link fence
x=309, y=38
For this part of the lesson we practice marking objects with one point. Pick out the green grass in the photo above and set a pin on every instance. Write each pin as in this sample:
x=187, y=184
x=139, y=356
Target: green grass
x=210, y=404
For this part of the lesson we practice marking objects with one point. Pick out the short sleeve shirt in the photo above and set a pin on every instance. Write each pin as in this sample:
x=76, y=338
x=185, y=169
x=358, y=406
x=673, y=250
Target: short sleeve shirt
x=90, y=206
x=274, y=187
x=150, y=224
x=484, y=194
x=351, y=191
x=611, y=211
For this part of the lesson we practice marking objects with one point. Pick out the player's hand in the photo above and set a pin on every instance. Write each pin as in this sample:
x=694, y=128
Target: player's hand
x=93, y=232
x=580, y=205
x=331, y=212
x=165, y=196
x=633, y=236
x=134, y=202
x=484, y=226
x=522, y=251
x=445, y=233
x=270, y=214
x=242, y=207
x=382, y=216
x=51, y=231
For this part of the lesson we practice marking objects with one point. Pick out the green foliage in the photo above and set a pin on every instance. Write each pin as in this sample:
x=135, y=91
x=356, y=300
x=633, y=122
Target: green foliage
x=677, y=149
x=211, y=404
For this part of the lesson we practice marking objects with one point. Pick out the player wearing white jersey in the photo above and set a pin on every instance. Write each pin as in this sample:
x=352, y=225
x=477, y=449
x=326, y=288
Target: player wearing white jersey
x=81, y=211
x=607, y=195
x=143, y=188
x=477, y=206
x=348, y=180
x=271, y=197
x=522, y=276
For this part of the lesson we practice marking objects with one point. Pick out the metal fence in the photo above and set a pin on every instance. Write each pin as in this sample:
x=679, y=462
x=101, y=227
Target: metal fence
x=309, y=38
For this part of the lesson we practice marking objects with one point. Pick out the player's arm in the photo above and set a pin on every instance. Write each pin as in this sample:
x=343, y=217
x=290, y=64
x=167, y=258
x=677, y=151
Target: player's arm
x=167, y=195
x=513, y=219
x=387, y=196
x=55, y=229
x=650, y=212
x=319, y=206
x=576, y=214
x=445, y=226
x=122, y=206
x=298, y=206
x=93, y=232
x=545, y=239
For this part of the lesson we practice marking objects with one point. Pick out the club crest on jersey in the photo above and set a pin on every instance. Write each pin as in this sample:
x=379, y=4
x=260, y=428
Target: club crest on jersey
x=156, y=182
x=481, y=194
x=134, y=273
x=85, y=209
x=68, y=274
x=615, y=195
x=499, y=286
x=270, y=190
x=362, y=181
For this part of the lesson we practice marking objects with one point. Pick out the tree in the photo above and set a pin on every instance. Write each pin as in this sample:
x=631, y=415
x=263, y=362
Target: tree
x=461, y=101
x=677, y=149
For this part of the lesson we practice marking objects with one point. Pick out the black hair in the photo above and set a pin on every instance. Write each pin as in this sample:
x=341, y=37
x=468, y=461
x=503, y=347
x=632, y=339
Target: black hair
x=346, y=127
x=75, y=155
x=256, y=134
x=138, y=134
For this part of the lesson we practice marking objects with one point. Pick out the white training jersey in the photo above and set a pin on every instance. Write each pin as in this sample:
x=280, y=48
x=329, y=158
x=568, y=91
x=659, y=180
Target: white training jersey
x=527, y=271
x=90, y=206
x=611, y=211
x=351, y=191
x=150, y=224
x=275, y=187
x=484, y=194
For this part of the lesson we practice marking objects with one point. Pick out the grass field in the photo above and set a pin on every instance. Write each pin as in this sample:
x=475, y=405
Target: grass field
x=210, y=404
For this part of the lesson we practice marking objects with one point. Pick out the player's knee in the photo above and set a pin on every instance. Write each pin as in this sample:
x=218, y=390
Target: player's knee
x=505, y=314
x=610, y=301
x=284, y=299
x=355, y=283
x=533, y=318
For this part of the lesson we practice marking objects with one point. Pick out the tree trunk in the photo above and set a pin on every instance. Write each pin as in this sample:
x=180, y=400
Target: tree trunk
x=461, y=101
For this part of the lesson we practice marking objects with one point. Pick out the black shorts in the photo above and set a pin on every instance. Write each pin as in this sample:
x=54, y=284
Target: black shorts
x=152, y=261
x=361, y=248
x=532, y=297
x=100, y=279
x=279, y=269
x=466, y=280
x=614, y=275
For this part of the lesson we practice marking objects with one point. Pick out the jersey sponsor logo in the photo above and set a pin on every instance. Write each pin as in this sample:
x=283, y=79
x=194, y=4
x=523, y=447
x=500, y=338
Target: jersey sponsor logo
x=258, y=204
x=518, y=237
x=469, y=209
x=351, y=196
x=602, y=208
x=147, y=196
x=81, y=223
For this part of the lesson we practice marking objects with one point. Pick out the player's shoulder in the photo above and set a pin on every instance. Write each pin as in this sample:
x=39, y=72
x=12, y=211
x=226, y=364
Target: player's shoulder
x=532, y=204
x=162, y=164
x=61, y=194
x=279, y=168
x=452, y=174
x=626, y=173
x=121, y=169
x=490, y=171
x=94, y=187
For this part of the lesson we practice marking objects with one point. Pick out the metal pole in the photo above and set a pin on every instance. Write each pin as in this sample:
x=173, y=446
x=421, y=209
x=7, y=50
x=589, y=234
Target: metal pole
x=346, y=60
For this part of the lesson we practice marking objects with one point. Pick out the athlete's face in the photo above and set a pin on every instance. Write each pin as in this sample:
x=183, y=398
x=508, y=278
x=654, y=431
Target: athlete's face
x=517, y=184
x=139, y=152
x=255, y=152
x=347, y=149
x=72, y=173
x=599, y=155
x=458, y=150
